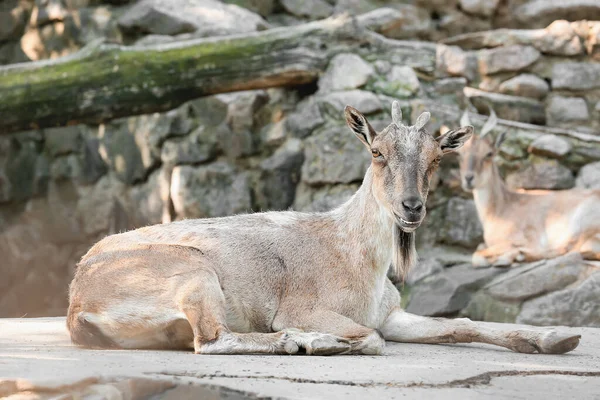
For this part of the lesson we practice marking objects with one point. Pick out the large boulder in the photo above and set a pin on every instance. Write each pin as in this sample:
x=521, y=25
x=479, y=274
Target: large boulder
x=566, y=110
x=506, y=59
x=449, y=291
x=202, y=17
x=542, y=174
x=576, y=76
x=551, y=146
x=540, y=13
x=213, y=190
x=334, y=155
x=578, y=305
x=345, y=71
x=589, y=176
x=525, y=85
x=462, y=226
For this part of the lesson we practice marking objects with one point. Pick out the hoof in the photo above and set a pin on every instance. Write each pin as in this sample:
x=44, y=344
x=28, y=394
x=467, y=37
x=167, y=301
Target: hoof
x=480, y=261
x=557, y=343
x=314, y=343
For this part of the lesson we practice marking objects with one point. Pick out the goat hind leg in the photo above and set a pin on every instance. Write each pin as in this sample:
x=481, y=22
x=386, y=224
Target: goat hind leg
x=401, y=326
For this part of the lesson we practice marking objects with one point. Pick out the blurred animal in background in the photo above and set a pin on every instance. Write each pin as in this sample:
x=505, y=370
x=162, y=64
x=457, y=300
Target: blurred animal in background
x=523, y=226
x=285, y=282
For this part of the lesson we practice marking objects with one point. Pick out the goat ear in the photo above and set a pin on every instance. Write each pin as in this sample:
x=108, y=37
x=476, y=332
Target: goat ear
x=500, y=139
x=360, y=126
x=453, y=140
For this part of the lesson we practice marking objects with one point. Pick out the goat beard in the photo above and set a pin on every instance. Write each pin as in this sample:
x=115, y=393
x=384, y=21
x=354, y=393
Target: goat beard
x=405, y=253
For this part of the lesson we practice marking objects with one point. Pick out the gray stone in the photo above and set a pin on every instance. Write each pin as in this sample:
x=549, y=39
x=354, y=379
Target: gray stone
x=526, y=85
x=453, y=22
x=198, y=16
x=93, y=166
x=453, y=61
x=262, y=7
x=13, y=18
x=354, y=7
x=20, y=154
x=345, y=71
x=364, y=101
x=274, y=134
x=561, y=110
x=484, y=8
x=242, y=108
x=312, y=9
x=423, y=269
x=448, y=291
x=66, y=168
x=323, y=198
x=506, y=59
x=576, y=76
x=542, y=174
x=550, y=146
x=401, y=81
x=100, y=206
x=334, y=155
x=306, y=119
x=120, y=151
x=574, y=306
x=540, y=13
x=280, y=175
x=589, y=176
x=200, y=146
x=148, y=200
x=462, y=226
x=533, y=280
x=61, y=141
x=484, y=307
x=214, y=190
x=514, y=108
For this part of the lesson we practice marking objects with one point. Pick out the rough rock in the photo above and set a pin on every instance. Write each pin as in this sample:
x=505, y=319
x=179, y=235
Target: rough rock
x=552, y=146
x=410, y=22
x=539, y=278
x=542, y=174
x=506, y=59
x=200, y=146
x=454, y=22
x=312, y=9
x=484, y=8
x=203, y=17
x=280, y=175
x=306, y=119
x=525, y=85
x=102, y=207
x=214, y=190
x=449, y=291
x=400, y=81
x=589, y=176
x=461, y=226
x=61, y=141
x=453, y=61
x=18, y=171
x=345, y=71
x=540, y=13
x=324, y=198
x=364, y=101
x=576, y=76
x=262, y=7
x=149, y=200
x=13, y=18
x=334, y=155
x=563, y=110
x=423, y=269
x=514, y=108
x=354, y=7
x=574, y=306
x=484, y=307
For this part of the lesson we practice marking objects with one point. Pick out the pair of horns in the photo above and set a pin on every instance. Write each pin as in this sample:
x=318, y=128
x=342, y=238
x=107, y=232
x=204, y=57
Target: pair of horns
x=490, y=124
x=397, y=116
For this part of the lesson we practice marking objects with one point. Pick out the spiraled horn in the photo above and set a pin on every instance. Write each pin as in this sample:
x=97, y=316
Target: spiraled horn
x=397, y=113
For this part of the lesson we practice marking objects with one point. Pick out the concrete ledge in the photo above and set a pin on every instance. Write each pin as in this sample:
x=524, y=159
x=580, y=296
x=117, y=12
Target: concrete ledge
x=38, y=361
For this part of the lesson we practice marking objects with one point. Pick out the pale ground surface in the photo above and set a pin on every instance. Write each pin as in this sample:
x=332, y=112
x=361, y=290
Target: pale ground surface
x=38, y=350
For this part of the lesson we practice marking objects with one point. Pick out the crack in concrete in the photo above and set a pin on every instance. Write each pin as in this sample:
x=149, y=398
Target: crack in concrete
x=483, y=379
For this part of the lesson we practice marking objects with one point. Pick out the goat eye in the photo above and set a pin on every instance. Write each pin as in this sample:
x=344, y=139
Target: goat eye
x=376, y=153
x=489, y=155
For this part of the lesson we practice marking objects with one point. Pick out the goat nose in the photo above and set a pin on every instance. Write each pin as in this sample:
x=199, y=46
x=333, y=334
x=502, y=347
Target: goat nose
x=412, y=204
x=469, y=178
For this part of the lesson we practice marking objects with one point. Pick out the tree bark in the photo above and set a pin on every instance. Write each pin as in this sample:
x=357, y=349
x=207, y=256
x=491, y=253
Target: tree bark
x=105, y=81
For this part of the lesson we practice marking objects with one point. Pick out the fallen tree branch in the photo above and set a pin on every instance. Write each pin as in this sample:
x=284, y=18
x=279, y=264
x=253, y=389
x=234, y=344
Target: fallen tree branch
x=105, y=81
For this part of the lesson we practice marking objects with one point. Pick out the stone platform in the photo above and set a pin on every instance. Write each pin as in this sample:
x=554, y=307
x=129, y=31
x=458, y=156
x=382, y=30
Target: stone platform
x=38, y=361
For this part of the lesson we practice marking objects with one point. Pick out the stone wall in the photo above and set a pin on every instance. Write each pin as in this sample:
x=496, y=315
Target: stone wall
x=62, y=189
